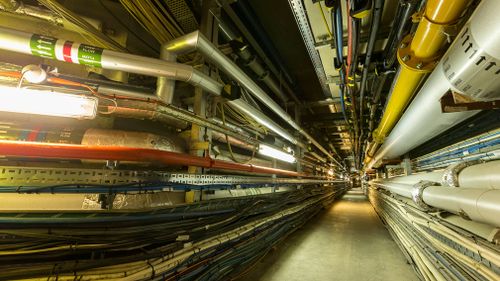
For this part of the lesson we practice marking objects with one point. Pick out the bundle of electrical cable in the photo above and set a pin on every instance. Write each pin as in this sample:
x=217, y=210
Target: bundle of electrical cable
x=208, y=240
x=436, y=248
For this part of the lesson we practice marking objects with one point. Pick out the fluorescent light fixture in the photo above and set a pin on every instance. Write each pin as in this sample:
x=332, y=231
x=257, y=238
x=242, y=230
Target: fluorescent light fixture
x=43, y=102
x=275, y=153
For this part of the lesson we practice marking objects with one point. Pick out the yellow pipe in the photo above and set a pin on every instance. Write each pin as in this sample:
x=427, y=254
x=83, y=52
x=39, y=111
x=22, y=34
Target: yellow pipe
x=418, y=56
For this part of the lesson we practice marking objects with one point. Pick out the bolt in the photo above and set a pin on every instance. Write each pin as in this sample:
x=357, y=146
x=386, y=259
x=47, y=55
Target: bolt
x=402, y=46
x=420, y=65
x=406, y=58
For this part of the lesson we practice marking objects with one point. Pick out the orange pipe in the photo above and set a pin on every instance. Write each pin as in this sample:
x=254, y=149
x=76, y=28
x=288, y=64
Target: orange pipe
x=117, y=153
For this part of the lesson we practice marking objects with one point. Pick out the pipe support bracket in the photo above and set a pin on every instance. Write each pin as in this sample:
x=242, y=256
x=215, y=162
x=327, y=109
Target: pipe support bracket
x=417, y=194
x=409, y=60
x=450, y=174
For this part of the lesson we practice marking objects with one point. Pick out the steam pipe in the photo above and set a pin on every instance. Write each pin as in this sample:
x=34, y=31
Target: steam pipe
x=70, y=151
x=196, y=41
x=424, y=113
x=72, y=52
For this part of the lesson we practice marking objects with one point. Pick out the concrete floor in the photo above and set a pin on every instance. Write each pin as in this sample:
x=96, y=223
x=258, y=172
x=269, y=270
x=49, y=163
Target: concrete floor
x=347, y=242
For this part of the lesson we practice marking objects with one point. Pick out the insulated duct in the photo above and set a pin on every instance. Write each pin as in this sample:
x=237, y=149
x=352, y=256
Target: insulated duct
x=423, y=119
x=196, y=41
x=467, y=189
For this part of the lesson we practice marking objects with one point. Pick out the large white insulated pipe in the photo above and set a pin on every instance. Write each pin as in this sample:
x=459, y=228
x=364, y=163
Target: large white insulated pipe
x=471, y=66
x=464, y=174
x=467, y=189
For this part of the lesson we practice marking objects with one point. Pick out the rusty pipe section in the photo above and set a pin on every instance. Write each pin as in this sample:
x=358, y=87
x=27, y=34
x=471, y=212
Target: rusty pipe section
x=103, y=137
x=116, y=153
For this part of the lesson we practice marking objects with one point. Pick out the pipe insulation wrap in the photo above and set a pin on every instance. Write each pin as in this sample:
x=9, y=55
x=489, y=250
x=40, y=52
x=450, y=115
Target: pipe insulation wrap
x=424, y=113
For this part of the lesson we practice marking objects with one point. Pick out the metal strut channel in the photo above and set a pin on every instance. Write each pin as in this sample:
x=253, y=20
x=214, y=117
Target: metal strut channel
x=38, y=176
x=300, y=15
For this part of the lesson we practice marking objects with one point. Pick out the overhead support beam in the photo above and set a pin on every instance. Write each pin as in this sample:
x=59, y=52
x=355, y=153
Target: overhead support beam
x=299, y=12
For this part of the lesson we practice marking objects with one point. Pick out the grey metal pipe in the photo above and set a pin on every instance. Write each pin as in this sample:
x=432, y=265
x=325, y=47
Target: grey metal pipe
x=165, y=87
x=402, y=189
x=252, y=62
x=170, y=113
x=265, y=121
x=119, y=91
x=64, y=50
x=463, y=175
x=196, y=41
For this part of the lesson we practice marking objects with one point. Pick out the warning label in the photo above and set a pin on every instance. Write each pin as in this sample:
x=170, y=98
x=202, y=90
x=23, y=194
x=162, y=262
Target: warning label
x=89, y=55
x=43, y=46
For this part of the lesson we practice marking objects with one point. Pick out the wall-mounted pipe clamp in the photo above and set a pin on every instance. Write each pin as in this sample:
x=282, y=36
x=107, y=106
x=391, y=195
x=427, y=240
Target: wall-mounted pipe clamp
x=450, y=174
x=417, y=194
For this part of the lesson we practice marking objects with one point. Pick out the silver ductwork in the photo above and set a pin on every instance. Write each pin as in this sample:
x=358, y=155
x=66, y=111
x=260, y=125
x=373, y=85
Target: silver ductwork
x=77, y=53
x=423, y=119
x=166, y=70
x=196, y=41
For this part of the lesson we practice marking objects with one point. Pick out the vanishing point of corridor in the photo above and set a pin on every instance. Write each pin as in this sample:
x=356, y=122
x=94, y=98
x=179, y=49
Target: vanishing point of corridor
x=345, y=242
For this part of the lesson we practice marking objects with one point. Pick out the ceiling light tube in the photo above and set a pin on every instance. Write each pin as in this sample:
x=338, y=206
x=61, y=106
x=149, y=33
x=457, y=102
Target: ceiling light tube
x=43, y=102
x=275, y=153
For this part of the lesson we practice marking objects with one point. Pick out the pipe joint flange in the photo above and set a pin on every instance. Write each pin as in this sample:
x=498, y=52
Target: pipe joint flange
x=417, y=194
x=450, y=174
x=407, y=58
